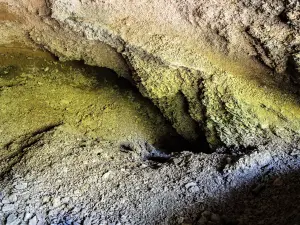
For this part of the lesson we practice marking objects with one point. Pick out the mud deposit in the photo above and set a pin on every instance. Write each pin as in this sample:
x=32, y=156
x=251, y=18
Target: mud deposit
x=73, y=144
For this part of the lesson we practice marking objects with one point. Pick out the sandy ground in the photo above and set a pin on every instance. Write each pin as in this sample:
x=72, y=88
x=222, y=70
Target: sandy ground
x=75, y=147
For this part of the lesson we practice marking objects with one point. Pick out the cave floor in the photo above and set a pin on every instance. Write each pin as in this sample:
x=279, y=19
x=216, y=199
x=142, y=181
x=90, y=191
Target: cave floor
x=61, y=126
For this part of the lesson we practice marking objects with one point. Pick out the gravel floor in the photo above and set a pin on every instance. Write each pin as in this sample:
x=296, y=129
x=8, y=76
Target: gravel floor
x=70, y=179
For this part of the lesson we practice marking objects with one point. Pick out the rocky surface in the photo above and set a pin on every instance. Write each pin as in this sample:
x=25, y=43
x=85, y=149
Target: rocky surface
x=227, y=69
x=73, y=179
x=39, y=93
x=78, y=148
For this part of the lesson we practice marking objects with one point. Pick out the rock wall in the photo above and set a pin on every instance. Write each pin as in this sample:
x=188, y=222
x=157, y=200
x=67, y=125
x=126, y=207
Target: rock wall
x=227, y=68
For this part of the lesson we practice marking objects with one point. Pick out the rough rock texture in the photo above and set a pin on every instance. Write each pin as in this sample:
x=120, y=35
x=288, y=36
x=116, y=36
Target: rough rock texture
x=67, y=179
x=228, y=67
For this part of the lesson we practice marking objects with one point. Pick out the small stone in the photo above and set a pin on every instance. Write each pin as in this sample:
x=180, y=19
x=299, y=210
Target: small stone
x=191, y=184
x=12, y=219
x=21, y=186
x=27, y=216
x=65, y=200
x=194, y=189
x=53, y=212
x=13, y=198
x=46, y=199
x=87, y=221
x=56, y=202
x=33, y=221
x=278, y=182
x=5, y=201
x=8, y=207
x=46, y=69
x=106, y=175
x=120, y=48
x=215, y=218
x=41, y=219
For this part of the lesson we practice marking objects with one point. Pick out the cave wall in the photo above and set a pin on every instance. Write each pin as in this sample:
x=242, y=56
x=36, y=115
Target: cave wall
x=227, y=68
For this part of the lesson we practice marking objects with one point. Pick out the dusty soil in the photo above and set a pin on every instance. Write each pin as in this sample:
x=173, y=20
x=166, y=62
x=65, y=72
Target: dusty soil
x=72, y=179
x=75, y=150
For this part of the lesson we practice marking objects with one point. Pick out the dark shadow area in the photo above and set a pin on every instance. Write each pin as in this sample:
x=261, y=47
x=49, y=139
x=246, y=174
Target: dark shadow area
x=293, y=71
x=173, y=142
x=270, y=196
x=275, y=201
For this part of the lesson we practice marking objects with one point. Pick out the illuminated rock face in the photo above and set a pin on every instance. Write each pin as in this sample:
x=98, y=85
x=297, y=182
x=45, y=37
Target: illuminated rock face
x=227, y=68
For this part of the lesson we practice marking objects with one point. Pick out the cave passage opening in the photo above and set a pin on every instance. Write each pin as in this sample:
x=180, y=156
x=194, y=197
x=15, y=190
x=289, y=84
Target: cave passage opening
x=168, y=142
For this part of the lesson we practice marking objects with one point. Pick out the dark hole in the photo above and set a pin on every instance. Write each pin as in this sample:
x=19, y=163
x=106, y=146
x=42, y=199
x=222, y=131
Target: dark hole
x=283, y=17
x=126, y=147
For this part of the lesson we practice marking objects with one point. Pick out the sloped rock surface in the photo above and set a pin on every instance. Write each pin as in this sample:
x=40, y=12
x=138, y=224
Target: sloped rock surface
x=229, y=69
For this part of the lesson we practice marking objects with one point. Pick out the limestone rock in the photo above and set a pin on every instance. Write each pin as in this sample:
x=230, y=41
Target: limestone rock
x=228, y=69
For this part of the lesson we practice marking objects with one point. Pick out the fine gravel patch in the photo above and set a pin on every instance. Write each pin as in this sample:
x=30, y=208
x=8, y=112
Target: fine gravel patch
x=67, y=178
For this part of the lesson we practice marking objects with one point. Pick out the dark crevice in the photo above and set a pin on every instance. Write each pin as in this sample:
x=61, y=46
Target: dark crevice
x=293, y=70
x=200, y=144
x=172, y=142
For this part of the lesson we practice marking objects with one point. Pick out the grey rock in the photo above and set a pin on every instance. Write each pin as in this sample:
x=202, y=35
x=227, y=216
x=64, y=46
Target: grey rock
x=194, y=189
x=33, y=221
x=21, y=186
x=87, y=221
x=5, y=201
x=56, y=202
x=12, y=219
x=13, y=198
x=8, y=207
x=191, y=184
x=27, y=216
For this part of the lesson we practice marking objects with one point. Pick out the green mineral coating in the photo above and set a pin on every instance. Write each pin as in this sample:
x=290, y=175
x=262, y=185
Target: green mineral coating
x=40, y=91
x=235, y=106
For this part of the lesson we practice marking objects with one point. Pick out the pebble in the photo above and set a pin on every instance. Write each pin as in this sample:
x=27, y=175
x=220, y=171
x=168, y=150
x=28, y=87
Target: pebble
x=21, y=186
x=5, y=201
x=65, y=200
x=106, y=175
x=56, y=202
x=33, y=221
x=8, y=207
x=27, y=216
x=46, y=199
x=194, y=189
x=187, y=186
x=87, y=221
x=13, y=198
x=12, y=219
